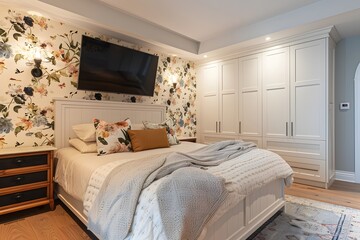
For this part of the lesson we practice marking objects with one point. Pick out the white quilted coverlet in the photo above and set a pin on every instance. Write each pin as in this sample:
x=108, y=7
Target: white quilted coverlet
x=243, y=175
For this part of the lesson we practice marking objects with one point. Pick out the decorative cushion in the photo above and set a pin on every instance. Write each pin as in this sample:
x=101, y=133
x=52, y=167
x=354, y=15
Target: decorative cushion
x=112, y=137
x=148, y=139
x=85, y=132
x=168, y=125
x=83, y=147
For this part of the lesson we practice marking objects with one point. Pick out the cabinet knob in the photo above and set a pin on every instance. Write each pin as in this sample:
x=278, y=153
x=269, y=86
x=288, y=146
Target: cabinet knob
x=18, y=161
x=19, y=179
x=18, y=196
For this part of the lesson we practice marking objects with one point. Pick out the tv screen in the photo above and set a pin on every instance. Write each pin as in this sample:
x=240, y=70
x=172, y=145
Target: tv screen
x=112, y=68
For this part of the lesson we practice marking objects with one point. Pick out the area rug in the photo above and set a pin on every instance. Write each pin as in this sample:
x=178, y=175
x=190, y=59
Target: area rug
x=305, y=219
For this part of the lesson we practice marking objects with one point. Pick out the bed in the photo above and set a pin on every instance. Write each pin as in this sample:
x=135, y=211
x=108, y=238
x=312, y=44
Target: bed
x=232, y=220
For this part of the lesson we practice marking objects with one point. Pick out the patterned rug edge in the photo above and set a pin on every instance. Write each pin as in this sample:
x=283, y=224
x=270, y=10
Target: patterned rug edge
x=352, y=222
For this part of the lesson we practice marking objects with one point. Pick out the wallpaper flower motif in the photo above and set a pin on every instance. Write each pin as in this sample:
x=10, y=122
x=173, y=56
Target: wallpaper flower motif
x=26, y=107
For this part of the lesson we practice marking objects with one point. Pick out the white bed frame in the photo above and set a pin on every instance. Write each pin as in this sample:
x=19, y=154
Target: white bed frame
x=237, y=223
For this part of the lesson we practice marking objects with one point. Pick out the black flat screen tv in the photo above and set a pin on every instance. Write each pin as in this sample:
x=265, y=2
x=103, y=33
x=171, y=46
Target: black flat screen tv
x=108, y=67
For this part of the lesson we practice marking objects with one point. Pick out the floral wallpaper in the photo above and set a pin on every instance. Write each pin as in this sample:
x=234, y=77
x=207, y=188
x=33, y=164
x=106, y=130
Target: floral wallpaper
x=26, y=107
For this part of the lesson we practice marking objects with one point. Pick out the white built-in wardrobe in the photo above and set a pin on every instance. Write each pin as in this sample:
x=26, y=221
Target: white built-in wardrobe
x=280, y=97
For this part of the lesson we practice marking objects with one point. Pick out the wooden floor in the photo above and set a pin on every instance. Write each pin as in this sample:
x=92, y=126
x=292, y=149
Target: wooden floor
x=42, y=224
x=340, y=193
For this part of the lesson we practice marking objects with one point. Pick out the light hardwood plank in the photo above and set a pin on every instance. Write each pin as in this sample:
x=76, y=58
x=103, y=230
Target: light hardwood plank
x=340, y=193
x=41, y=224
x=20, y=229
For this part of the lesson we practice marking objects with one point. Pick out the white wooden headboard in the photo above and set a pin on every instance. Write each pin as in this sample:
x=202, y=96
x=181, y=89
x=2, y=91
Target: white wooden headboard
x=69, y=112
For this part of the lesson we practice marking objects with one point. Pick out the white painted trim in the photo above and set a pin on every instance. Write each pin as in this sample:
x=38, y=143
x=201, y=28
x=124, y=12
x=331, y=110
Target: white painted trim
x=69, y=112
x=357, y=124
x=242, y=51
x=345, y=176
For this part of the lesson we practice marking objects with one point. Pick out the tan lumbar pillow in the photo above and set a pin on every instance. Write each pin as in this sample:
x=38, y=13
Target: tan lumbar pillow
x=148, y=139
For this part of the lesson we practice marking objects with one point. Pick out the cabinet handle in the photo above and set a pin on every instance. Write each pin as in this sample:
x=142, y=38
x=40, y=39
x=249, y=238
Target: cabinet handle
x=292, y=129
x=18, y=161
x=18, y=196
x=219, y=126
x=239, y=126
x=18, y=179
x=287, y=128
x=216, y=127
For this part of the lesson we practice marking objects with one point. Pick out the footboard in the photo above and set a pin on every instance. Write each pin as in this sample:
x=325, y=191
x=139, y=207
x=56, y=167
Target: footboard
x=236, y=224
x=247, y=216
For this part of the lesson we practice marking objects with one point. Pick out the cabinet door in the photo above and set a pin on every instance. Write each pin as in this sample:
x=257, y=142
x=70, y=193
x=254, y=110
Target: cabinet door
x=250, y=102
x=307, y=84
x=209, y=98
x=276, y=93
x=228, y=97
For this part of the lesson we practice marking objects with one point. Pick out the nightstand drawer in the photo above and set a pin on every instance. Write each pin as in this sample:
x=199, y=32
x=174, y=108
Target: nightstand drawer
x=23, y=161
x=24, y=196
x=22, y=179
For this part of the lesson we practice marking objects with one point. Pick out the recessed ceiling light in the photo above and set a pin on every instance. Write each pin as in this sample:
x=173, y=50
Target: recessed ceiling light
x=205, y=56
x=268, y=38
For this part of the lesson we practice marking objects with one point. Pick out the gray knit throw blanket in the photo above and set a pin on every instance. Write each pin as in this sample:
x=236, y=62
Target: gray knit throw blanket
x=188, y=197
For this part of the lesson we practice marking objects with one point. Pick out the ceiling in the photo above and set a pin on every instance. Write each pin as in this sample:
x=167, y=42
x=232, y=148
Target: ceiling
x=195, y=28
x=202, y=20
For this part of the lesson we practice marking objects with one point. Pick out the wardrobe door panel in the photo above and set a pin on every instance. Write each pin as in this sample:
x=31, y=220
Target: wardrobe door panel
x=228, y=97
x=250, y=102
x=228, y=114
x=209, y=98
x=276, y=93
x=307, y=84
x=276, y=113
x=251, y=119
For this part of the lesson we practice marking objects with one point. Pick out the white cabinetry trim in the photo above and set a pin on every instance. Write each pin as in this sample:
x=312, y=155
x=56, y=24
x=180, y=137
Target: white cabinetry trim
x=345, y=176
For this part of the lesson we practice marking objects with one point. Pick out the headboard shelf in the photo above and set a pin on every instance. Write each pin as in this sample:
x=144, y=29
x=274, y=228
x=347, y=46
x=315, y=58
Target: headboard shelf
x=69, y=112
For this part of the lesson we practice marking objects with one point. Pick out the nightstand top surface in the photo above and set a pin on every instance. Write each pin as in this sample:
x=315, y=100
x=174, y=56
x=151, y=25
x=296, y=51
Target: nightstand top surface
x=6, y=151
x=182, y=138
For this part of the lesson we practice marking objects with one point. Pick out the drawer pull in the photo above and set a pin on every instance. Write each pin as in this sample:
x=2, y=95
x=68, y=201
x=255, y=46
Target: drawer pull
x=18, y=196
x=19, y=161
x=19, y=179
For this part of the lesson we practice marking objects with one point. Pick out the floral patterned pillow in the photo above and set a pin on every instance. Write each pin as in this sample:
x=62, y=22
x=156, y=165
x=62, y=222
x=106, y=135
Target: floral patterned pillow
x=168, y=124
x=112, y=137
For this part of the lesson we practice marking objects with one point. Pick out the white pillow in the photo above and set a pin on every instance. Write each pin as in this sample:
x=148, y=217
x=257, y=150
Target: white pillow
x=83, y=147
x=85, y=132
x=137, y=126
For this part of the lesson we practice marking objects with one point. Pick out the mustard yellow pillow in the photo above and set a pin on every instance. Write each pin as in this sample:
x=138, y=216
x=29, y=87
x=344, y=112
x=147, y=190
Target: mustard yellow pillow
x=148, y=139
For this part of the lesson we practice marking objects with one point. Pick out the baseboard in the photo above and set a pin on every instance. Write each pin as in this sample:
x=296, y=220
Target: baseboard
x=345, y=176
